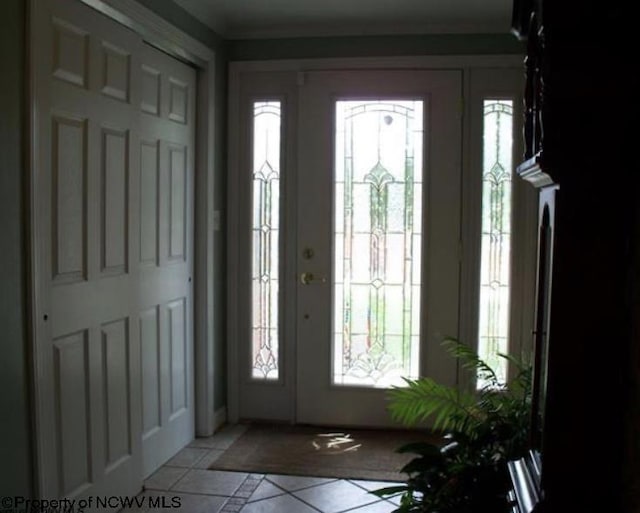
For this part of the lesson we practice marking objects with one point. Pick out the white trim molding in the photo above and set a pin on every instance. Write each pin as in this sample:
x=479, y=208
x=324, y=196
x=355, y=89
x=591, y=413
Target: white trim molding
x=220, y=418
x=408, y=62
x=155, y=30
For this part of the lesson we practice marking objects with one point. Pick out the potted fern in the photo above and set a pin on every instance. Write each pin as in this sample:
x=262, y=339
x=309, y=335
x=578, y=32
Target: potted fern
x=482, y=430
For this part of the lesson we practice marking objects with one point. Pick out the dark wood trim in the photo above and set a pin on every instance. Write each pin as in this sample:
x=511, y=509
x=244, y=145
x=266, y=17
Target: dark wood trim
x=533, y=171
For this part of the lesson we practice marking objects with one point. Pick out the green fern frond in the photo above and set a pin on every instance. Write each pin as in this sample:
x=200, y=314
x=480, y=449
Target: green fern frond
x=521, y=366
x=484, y=428
x=424, y=398
x=521, y=384
x=470, y=360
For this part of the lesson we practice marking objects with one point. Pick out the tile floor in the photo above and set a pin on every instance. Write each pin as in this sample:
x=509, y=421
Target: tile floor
x=185, y=480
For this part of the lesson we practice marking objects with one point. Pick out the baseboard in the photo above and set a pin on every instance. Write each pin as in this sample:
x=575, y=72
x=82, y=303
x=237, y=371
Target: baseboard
x=219, y=418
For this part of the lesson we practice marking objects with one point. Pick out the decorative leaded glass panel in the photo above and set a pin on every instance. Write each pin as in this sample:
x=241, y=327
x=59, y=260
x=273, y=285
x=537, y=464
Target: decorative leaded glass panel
x=496, y=234
x=377, y=241
x=265, y=228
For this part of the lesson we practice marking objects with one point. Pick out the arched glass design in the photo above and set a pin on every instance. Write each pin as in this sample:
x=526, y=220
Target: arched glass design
x=377, y=241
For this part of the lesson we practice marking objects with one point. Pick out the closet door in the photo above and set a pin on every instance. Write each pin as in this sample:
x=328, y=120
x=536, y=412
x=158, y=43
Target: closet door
x=165, y=258
x=99, y=306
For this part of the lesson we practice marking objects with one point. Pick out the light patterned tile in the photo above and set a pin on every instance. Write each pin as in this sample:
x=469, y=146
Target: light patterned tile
x=374, y=485
x=233, y=505
x=203, y=443
x=280, y=504
x=207, y=460
x=222, y=439
x=377, y=485
x=294, y=483
x=168, y=502
x=266, y=490
x=248, y=487
x=164, y=478
x=336, y=497
x=210, y=482
x=223, y=442
x=199, y=503
x=187, y=457
x=378, y=507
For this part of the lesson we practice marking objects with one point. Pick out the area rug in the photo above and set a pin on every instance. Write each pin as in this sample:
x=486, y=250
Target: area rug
x=321, y=452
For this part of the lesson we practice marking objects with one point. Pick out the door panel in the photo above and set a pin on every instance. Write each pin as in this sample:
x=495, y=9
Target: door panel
x=69, y=209
x=72, y=418
x=114, y=209
x=102, y=286
x=116, y=385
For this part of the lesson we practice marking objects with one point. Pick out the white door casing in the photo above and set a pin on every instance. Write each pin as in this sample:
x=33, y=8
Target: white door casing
x=96, y=298
x=483, y=77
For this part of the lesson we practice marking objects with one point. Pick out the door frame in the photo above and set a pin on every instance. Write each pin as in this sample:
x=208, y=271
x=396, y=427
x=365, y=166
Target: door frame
x=159, y=33
x=469, y=65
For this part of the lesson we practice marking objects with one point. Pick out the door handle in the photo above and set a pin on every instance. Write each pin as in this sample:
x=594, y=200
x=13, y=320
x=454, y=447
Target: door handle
x=309, y=278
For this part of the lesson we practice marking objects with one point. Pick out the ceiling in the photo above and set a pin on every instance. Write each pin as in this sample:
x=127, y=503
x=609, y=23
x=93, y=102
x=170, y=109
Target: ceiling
x=239, y=19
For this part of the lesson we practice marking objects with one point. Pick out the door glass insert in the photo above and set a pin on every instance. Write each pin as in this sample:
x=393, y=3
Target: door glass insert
x=377, y=241
x=495, y=268
x=265, y=232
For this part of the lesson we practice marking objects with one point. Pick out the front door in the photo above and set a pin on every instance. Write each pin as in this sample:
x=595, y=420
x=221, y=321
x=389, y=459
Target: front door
x=353, y=181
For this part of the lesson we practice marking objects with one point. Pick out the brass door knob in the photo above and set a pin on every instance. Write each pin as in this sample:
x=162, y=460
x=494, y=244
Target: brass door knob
x=306, y=278
x=309, y=278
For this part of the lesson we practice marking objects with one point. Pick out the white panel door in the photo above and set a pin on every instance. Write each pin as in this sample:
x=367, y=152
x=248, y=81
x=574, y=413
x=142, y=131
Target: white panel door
x=97, y=298
x=165, y=258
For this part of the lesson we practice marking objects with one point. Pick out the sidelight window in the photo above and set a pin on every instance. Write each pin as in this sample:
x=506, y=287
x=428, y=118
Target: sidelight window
x=495, y=265
x=266, y=233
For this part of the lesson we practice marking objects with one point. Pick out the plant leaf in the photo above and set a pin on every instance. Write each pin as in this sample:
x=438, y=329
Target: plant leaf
x=470, y=360
x=424, y=398
x=390, y=490
x=421, y=464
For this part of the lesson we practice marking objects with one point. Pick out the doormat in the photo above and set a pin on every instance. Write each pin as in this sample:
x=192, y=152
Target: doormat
x=321, y=452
